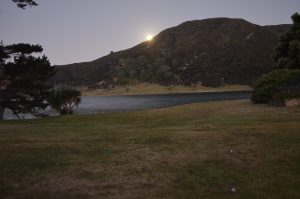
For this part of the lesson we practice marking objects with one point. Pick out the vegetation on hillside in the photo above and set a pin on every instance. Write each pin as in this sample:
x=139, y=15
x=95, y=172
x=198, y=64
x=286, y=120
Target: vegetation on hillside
x=213, y=52
x=140, y=69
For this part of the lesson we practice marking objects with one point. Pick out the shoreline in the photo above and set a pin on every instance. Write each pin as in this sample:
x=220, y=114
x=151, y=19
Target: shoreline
x=154, y=89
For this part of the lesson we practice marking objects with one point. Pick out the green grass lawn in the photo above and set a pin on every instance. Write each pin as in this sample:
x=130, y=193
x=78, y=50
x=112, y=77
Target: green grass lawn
x=192, y=151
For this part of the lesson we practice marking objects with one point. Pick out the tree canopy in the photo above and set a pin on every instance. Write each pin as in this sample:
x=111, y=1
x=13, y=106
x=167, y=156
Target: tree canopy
x=23, y=75
x=284, y=82
x=23, y=79
x=24, y=3
x=287, y=53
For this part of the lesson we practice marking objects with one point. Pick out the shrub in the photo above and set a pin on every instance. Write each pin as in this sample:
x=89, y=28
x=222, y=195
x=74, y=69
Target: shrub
x=64, y=99
x=277, y=81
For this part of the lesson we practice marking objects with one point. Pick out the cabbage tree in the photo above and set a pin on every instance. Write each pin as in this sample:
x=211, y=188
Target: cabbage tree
x=64, y=99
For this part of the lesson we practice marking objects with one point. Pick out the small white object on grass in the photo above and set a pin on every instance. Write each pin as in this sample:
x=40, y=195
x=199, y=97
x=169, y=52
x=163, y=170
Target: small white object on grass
x=233, y=190
x=231, y=150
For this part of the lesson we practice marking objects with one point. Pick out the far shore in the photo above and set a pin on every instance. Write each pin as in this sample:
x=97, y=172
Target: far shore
x=145, y=88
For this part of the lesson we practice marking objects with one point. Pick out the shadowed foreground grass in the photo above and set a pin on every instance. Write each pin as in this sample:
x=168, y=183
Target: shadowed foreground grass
x=192, y=151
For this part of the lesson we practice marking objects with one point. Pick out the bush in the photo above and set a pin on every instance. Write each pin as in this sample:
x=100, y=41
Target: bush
x=64, y=99
x=280, y=80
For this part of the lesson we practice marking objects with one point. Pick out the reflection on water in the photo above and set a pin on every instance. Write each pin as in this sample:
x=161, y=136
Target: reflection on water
x=98, y=104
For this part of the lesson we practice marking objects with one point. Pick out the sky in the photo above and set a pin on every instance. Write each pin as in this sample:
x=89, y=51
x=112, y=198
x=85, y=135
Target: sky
x=72, y=31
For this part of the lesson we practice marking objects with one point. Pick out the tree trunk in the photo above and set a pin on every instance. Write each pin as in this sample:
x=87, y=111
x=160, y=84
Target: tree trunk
x=2, y=113
x=17, y=115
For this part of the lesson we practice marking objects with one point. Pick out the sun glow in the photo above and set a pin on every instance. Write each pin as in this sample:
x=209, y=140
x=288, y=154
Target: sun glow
x=149, y=37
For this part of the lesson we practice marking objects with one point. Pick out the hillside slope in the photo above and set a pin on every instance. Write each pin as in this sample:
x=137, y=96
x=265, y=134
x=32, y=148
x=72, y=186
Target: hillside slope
x=212, y=51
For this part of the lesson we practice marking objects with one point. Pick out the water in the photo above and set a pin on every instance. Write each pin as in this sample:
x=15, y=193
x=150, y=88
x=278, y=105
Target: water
x=100, y=104
x=96, y=104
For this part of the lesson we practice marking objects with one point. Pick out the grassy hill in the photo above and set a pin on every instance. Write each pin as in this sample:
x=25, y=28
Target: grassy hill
x=192, y=151
x=214, y=52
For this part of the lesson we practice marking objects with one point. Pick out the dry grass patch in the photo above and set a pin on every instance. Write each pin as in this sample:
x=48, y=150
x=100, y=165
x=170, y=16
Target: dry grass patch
x=146, y=88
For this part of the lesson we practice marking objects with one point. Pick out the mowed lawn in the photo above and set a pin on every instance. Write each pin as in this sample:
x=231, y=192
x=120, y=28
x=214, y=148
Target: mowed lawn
x=230, y=149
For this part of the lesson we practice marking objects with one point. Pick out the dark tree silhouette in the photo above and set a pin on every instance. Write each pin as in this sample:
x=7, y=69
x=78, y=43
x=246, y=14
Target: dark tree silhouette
x=24, y=3
x=23, y=87
x=23, y=79
x=284, y=82
x=287, y=53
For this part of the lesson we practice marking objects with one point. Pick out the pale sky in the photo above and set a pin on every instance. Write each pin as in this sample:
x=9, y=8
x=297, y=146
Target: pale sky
x=83, y=30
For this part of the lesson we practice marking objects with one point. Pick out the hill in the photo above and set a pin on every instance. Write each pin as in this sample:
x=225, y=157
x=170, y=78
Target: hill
x=212, y=52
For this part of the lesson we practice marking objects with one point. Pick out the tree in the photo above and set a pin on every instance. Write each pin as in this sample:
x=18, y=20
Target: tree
x=64, y=99
x=22, y=81
x=24, y=3
x=284, y=82
x=23, y=87
x=287, y=53
x=23, y=76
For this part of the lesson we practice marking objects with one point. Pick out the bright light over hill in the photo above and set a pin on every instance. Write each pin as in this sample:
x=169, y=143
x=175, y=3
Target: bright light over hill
x=149, y=37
